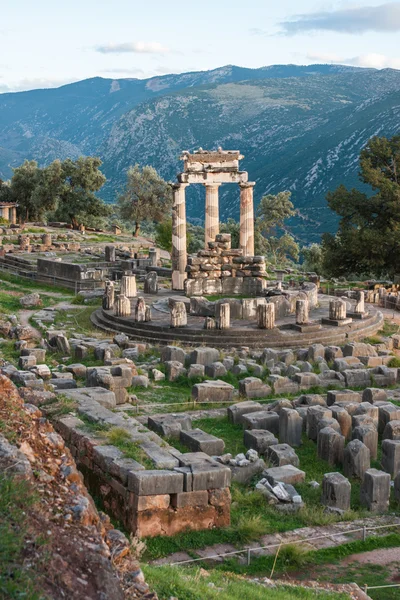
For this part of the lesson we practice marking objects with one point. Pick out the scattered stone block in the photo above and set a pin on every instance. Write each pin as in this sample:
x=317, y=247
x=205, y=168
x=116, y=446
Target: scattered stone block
x=314, y=415
x=365, y=408
x=173, y=370
x=330, y=446
x=204, y=356
x=252, y=387
x=259, y=439
x=170, y=425
x=336, y=491
x=388, y=412
x=158, y=375
x=244, y=474
x=286, y=474
x=173, y=353
x=336, y=396
x=140, y=381
x=216, y=369
x=331, y=422
x=279, y=455
x=356, y=459
x=392, y=431
x=375, y=490
x=373, y=395
x=236, y=411
x=200, y=441
x=344, y=419
x=196, y=371
x=290, y=427
x=357, y=377
x=212, y=391
x=263, y=419
x=391, y=456
x=369, y=436
x=397, y=487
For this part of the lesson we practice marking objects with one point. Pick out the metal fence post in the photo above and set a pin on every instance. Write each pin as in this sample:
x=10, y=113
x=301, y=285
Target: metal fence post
x=248, y=556
x=364, y=533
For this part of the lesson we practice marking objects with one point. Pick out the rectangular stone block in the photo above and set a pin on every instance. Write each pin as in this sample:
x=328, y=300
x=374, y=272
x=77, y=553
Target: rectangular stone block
x=259, y=439
x=236, y=411
x=183, y=499
x=170, y=425
x=162, y=501
x=285, y=474
x=154, y=483
x=200, y=441
x=212, y=391
x=204, y=476
x=263, y=419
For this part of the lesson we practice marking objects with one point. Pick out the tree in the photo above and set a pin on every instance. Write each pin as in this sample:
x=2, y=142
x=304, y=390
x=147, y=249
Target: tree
x=146, y=196
x=368, y=240
x=313, y=258
x=163, y=237
x=273, y=211
x=77, y=181
x=5, y=192
x=23, y=184
x=282, y=249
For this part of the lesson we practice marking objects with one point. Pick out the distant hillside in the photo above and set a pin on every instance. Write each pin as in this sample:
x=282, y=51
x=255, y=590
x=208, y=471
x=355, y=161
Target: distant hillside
x=300, y=128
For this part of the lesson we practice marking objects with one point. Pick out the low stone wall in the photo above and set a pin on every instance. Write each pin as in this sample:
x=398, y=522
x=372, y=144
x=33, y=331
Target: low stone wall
x=193, y=495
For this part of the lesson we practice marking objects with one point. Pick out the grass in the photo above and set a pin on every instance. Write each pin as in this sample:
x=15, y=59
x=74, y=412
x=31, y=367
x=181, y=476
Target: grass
x=80, y=320
x=388, y=328
x=394, y=362
x=222, y=428
x=117, y=436
x=196, y=584
x=31, y=285
x=16, y=579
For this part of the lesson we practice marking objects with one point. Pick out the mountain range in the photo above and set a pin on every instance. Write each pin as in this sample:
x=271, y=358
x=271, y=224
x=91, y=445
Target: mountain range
x=299, y=127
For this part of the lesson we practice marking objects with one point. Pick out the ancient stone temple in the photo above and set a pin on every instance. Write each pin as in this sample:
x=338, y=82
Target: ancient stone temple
x=210, y=169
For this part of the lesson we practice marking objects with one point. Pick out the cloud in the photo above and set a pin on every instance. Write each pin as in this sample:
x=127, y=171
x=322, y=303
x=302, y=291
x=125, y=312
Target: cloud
x=133, y=47
x=33, y=84
x=383, y=18
x=372, y=61
x=123, y=71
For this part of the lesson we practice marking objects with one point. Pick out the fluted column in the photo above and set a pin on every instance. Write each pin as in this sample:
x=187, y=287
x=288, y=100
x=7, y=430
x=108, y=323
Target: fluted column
x=179, y=252
x=212, y=212
x=13, y=218
x=246, y=241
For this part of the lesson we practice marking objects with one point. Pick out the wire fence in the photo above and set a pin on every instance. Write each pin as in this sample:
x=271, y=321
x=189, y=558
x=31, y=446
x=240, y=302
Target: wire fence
x=278, y=545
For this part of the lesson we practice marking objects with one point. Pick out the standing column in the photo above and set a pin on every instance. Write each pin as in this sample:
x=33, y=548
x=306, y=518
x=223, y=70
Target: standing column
x=13, y=215
x=179, y=252
x=246, y=242
x=212, y=213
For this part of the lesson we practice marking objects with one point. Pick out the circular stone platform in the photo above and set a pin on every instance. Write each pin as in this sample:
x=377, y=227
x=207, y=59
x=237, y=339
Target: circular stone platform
x=241, y=333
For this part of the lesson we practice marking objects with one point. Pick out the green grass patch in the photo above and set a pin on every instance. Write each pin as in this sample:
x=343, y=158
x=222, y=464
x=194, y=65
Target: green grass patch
x=118, y=437
x=191, y=583
x=32, y=285
x=394, y=362
x=222, y=428
x=389, y=328
x=16, y=579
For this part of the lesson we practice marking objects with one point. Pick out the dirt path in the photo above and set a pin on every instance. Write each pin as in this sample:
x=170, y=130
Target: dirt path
x=383, y=556
x=24, y=316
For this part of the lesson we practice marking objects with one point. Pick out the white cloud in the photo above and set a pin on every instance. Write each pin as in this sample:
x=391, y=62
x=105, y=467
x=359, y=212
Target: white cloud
x=133, y=47
x=372, y=61
x=33, y=84
x=382, y=18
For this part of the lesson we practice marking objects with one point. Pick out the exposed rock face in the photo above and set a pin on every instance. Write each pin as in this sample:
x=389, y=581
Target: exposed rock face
x=75, y=560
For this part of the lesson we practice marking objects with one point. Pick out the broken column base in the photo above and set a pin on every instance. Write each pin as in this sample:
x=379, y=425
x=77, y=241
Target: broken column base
x=358, y=316
x=336, y=322
x=178, y=280
x=306, y=327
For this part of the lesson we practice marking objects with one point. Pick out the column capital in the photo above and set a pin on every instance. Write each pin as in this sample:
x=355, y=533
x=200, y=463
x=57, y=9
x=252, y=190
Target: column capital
x=211, y=184
x=178, y=186
x=247, y=184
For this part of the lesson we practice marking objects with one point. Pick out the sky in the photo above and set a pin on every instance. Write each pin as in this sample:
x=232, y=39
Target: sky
x=47, y=43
